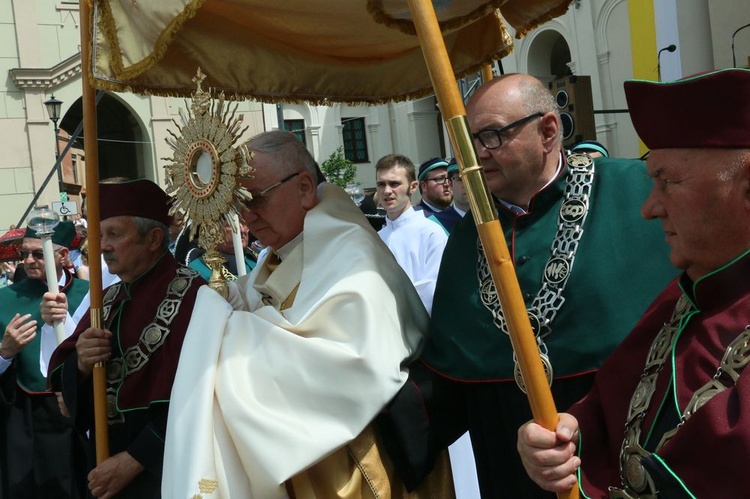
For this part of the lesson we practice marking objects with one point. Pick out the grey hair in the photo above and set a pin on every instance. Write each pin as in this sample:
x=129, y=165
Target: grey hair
x=537, y=98
x=144, y=225
x=290, y=154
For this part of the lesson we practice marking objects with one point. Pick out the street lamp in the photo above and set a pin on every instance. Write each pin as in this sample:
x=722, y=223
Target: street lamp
x=54, y=107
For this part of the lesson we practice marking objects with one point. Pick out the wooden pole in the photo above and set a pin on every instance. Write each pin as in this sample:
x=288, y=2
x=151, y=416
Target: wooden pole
x=490, y=232
x=91, y=149
x=487, y=73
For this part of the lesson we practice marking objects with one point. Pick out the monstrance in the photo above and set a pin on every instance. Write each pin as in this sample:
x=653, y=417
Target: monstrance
x=203, y=173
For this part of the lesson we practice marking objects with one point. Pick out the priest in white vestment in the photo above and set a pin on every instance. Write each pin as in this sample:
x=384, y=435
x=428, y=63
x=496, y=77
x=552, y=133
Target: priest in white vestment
x=277, y=388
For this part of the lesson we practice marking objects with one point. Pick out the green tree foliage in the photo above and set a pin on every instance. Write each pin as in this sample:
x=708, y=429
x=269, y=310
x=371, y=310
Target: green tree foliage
x=339, y=170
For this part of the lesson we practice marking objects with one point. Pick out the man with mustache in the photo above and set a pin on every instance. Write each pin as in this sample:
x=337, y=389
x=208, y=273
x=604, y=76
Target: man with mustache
x=145, y=317
x=666, y=416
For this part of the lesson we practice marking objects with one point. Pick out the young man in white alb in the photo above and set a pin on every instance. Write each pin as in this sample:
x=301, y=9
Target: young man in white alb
x=415, y=241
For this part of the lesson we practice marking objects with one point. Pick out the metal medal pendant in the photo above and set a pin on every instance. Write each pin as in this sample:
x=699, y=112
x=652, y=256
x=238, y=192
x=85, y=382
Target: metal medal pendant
x=546, y=364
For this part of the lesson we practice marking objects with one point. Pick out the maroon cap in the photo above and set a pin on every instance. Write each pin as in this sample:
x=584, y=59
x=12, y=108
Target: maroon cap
x=709, y=110
x=134, y=198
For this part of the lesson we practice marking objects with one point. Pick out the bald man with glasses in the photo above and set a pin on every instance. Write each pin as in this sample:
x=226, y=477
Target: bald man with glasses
x=587, y=263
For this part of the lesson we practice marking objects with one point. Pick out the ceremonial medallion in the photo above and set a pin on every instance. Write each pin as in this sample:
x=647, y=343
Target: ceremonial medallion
x=550, y=298
x=634, y=473
x=152, y=336
x=179, y=285
x=114, y=369
x=572, y=211
x=579, y=160
x=546, y=364
x=111, y=406
x=536, y=324
x=111, y=293
x=133, y=359
x=556, y=270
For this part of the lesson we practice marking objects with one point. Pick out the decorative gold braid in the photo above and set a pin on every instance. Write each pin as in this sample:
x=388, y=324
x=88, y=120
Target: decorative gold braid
x=107, y=22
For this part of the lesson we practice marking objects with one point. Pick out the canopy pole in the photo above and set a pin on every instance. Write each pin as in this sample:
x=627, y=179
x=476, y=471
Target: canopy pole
x=483, y=210
x=487, y=73
x=91, y=149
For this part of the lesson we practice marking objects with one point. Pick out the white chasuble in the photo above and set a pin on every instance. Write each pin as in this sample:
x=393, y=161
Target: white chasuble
x=262, y=394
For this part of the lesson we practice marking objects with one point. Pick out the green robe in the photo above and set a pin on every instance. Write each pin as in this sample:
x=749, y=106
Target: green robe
x=24, y=298
x=38, y=455
x=621, y=264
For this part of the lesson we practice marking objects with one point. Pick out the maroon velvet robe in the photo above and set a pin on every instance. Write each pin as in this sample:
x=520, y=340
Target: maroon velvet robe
x=143, y=397
x=707, y=456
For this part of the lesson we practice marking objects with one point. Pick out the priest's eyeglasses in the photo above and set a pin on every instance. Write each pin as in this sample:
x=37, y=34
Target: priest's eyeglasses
x=261, y=198
x=492, y=138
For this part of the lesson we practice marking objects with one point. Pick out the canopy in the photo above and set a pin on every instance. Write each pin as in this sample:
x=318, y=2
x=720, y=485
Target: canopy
x=357, y=51
x=327, y=51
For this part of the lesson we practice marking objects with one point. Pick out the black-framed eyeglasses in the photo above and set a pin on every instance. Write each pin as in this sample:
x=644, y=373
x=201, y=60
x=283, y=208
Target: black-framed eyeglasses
x=492, y=138
x=37, y=254
x=438, y=180
x=260, y=198
x=455, y=178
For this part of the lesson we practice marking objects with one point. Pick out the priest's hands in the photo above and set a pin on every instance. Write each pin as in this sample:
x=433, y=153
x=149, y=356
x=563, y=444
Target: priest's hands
x=550, y=456
x=93, y=346
x=54, y=307
x=113, y=474
x=18, y=333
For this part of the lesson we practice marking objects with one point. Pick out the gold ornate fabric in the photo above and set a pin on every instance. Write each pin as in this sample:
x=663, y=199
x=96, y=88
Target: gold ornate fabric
x=323, y=51
x=361, y=470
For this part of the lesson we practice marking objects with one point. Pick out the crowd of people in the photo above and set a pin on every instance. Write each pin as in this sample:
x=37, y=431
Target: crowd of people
x=358, y=363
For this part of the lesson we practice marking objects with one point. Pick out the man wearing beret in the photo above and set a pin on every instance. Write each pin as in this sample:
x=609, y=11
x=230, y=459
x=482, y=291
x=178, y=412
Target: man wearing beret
x=145, y=317
x=434, y=186
x=591, y=147
x=587, y=265
x=667, y=415
x=37, y=452
x=450, y=216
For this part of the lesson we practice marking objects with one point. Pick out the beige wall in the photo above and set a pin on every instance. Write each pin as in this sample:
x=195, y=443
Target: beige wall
x=726, y=16
x=42, y=38
x=39, y=35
